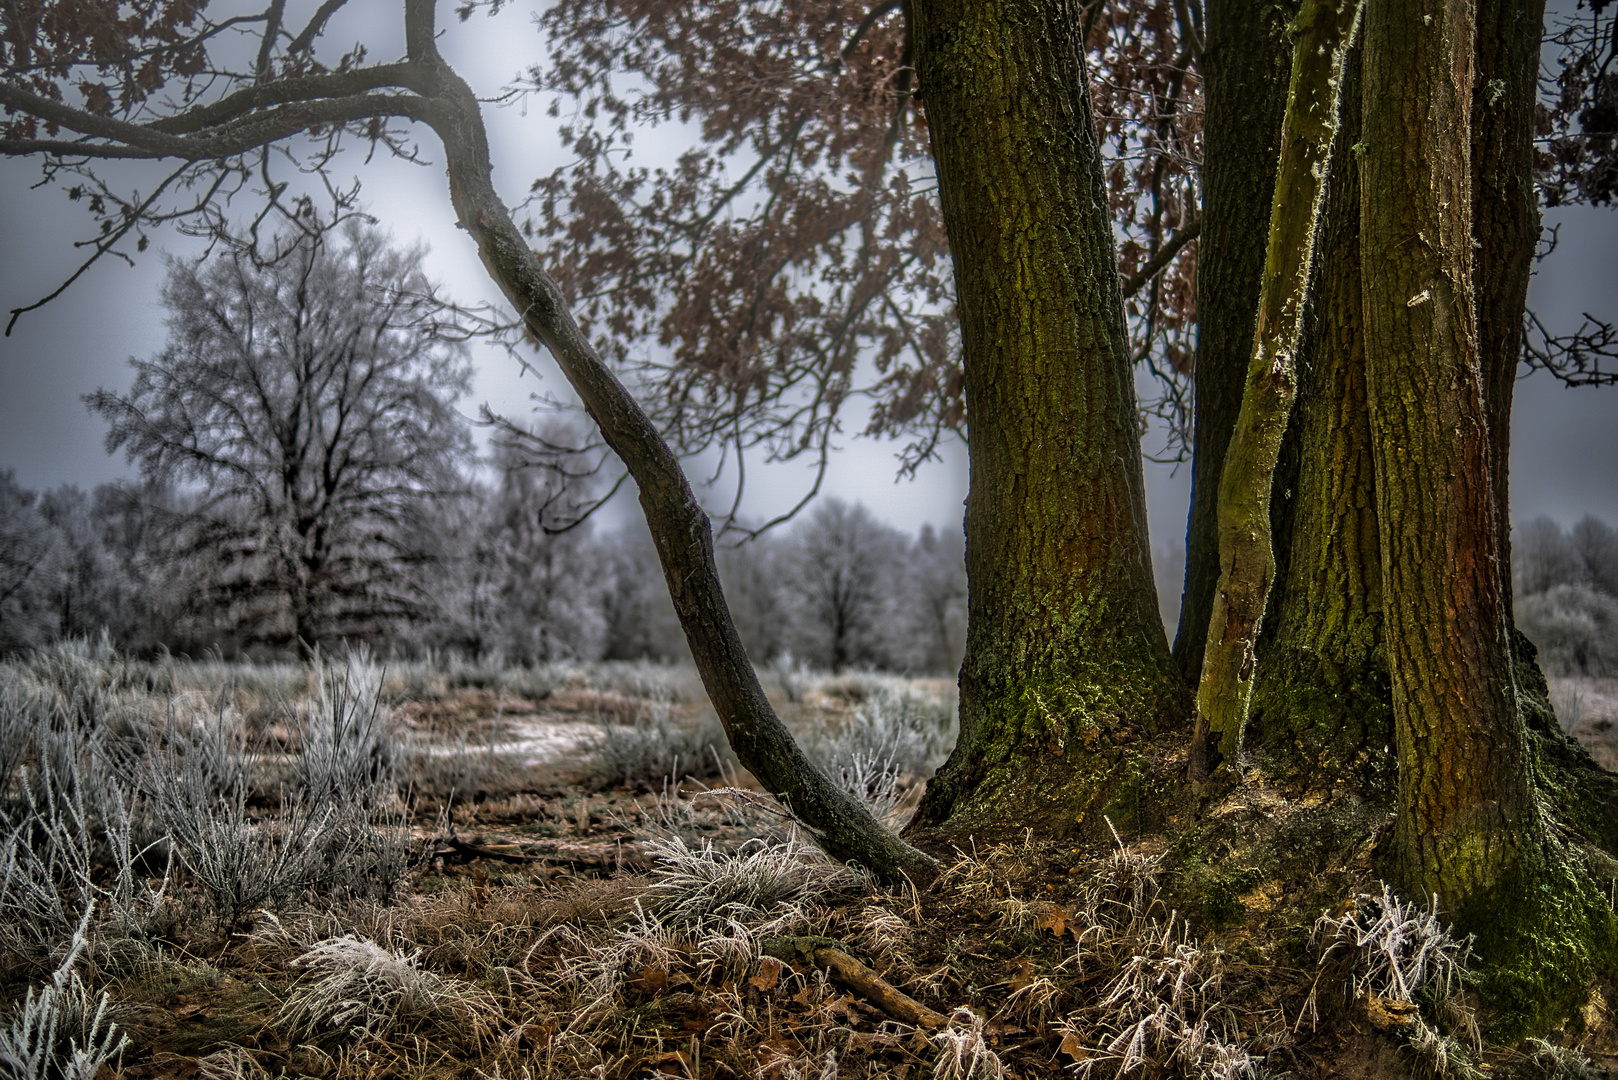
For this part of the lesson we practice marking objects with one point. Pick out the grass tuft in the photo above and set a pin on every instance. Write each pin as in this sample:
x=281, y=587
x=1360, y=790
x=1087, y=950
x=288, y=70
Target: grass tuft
x=358, y=990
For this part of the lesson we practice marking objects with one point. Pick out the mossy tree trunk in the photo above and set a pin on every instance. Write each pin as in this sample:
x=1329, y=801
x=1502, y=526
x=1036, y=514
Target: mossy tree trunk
x=1321, y=35
x=1467, y=825
x=1066, y=659
x=1245, y=66
x=1321, y=700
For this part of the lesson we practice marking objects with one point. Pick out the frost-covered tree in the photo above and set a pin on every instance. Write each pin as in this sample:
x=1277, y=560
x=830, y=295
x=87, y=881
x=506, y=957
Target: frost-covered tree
x=301, y=396
x=1543, y=557
x=935, y=601
x=752, y=572
x=1567, y=594
x=641, y=622
x=548, y=571
x=1596, y=544
x=843, y=571
x=27, y=562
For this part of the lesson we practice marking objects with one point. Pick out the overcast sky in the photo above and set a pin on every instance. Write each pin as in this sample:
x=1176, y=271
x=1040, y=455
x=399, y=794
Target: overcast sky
x=1565, y=442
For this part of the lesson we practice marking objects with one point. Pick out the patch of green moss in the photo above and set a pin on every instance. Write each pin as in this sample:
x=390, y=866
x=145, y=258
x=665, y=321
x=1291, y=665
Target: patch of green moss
x=1310, y=717
x=1222, y=895
x=1539, y=945
x=1126, y=802
x=1054, y=754
x=1209, y=890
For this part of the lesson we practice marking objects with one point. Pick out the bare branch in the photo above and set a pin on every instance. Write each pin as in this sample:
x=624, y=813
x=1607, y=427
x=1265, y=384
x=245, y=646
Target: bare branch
x=1165, y=255
x=1578, y=358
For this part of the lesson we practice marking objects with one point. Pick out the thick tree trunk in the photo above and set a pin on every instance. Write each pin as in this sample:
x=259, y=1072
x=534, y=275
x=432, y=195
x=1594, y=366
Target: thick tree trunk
x=1066, y=660
x=1321, y=700
x=1322, y=34
x=1467, y=825
x=1245, y=69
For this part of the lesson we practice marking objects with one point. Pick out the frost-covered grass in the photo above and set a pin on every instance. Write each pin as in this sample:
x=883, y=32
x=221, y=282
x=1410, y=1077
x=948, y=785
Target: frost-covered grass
x=298, y=871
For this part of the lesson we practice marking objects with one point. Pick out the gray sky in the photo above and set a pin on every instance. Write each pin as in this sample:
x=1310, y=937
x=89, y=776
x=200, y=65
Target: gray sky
x=1565, y=442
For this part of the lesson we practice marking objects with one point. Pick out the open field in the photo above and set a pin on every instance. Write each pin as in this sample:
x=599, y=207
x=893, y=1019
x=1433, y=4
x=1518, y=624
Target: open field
x=1588, y=709
x=449, y=869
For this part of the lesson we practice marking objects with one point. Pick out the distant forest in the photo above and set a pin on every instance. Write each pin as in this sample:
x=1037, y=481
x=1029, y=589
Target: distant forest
x=479, y=576
x=473, y=573
x=308, y=481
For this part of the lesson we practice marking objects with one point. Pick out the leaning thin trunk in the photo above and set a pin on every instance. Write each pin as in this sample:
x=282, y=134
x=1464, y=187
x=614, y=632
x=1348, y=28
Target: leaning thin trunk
x=843, y=825
x=1322, y=34
x=1245, y=67
x=1321, y=703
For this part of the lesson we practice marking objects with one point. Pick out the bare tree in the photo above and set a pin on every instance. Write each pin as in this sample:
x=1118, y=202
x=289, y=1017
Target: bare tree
x=1568, y=594
x=936, y=600
x=1543, y=557
x=301, y=395
x=844, y=569
x=752, y=573
x=549, y=578
x=1596, y=543
x=641, y=621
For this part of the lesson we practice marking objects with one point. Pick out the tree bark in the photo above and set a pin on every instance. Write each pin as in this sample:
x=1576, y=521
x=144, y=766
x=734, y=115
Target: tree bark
x=1066, y=659
x=1322, y=34
x=1505, y=217
x=1467, y=825
x=1321, y=700
x=1245, y=69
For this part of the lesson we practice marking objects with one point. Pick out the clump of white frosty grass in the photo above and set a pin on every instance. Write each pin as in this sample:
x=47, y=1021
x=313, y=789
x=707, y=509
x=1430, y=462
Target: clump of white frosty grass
x=1397, y=950
x=60, y=1032
x=360, y=989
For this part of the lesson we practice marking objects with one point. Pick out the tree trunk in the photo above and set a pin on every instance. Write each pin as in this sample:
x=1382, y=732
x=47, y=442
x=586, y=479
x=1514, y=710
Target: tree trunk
x=1322, y=35
x=1066, y=660
x=1467, y=826
x=1245, y=69
x=1321, y=700
x=843, y=825
x=1505, y=217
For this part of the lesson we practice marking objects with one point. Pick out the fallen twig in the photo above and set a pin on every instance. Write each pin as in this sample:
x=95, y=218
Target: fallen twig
x=826, y=953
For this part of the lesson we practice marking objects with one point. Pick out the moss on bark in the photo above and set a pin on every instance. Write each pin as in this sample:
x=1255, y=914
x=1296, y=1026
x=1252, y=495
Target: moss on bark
x=1063, y=636
x=1245, y=70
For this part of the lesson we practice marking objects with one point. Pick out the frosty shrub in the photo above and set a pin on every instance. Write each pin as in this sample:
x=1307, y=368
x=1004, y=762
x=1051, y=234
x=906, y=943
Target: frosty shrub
x=653, y=746
x=1397, y=949
x=646, y=679
x=1161, y=1010
x=1575, y=628
x=347, y=752
x=896, y=737
x=1398, y=953
x=894, y=723
x=70, y=843
x=195, y=777
x=696, y=884
x=59, y=1032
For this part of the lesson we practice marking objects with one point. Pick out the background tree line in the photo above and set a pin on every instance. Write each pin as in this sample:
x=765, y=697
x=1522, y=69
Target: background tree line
x=1567, y=594
x=839, y=589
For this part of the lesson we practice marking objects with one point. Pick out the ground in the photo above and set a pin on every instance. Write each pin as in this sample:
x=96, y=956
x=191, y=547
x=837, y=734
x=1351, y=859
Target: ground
x=568, y=911
x=1588, y=709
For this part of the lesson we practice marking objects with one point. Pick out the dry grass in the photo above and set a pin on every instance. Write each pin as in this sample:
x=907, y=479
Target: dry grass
x=534, y=926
